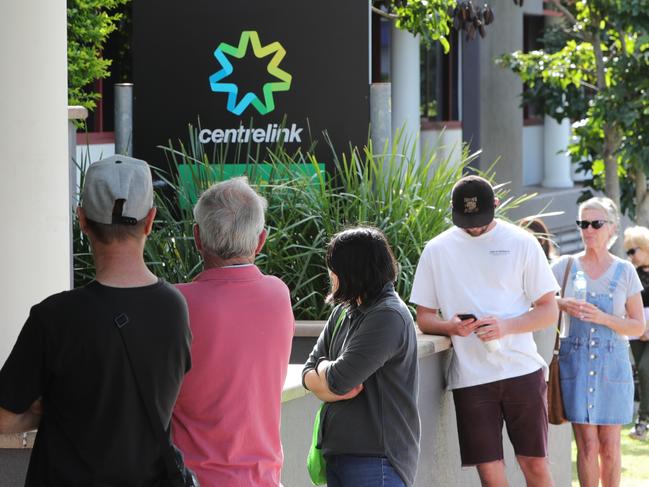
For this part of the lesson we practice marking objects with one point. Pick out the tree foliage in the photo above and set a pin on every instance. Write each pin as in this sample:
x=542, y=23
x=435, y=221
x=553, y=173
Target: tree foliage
x=90, y=22
x=594, y=69
x=432, y=19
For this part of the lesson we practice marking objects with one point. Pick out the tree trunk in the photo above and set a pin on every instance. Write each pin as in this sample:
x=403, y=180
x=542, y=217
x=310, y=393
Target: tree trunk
x=612, y=138
x=641, y=198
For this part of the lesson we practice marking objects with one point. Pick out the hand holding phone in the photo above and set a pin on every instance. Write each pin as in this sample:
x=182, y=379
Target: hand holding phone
x=466, y=316
x=465, y=329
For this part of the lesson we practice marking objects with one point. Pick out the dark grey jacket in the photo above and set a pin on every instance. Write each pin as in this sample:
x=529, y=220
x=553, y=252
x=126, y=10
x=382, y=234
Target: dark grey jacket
x=375, y=345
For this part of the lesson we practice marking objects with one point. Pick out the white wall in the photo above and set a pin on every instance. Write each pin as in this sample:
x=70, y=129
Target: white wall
x=34, y=248
x=533, y=155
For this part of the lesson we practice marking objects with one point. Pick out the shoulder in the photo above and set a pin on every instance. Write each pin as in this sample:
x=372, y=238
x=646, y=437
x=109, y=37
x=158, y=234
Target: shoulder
x=274, y=282
x=449, y=235
x=561, y=262
x=62, y=307
x=391, y=311
x=61, y=301
x=626, y=263
x=171, y=291
x=194, y=289
x=627, y=266
x=162, y=299
x=515, y=232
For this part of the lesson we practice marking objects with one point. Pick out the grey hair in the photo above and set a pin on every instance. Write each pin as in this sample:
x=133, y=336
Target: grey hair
x=230, y=218
x=607, y=206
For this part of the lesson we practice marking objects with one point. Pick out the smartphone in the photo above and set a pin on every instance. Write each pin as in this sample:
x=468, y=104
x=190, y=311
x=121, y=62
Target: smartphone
x=466, y=316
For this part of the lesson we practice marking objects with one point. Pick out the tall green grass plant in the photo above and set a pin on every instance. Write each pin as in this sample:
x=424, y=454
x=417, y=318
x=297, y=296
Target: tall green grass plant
x=306, y=206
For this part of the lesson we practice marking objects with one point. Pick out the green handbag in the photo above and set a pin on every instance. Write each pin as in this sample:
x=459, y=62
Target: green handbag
x=315, y=461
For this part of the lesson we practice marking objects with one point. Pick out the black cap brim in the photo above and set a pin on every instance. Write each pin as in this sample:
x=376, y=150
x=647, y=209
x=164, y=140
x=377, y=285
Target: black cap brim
x=474, y=220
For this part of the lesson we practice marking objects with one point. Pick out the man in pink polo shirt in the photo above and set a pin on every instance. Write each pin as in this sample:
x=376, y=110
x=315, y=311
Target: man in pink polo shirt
x=227, y=417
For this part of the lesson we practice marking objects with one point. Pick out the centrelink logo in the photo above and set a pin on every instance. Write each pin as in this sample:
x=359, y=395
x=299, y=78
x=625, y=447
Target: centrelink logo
x=250, y=38
x=237, y=105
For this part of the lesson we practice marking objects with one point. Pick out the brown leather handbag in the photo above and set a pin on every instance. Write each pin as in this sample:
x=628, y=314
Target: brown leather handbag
x=556, y=413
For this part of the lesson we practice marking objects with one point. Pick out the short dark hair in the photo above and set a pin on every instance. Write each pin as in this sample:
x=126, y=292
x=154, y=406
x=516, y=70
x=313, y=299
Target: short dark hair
x=108, y=233
x=119, y=230
x=363, y=261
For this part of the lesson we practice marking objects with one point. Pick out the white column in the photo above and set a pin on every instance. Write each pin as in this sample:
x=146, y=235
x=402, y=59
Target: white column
x=557, y=167
x=34, y=187
x=380, y=116
x=405, y=75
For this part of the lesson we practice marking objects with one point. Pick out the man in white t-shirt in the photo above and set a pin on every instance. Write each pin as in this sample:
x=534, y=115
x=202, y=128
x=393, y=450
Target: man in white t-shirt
x=496, y=272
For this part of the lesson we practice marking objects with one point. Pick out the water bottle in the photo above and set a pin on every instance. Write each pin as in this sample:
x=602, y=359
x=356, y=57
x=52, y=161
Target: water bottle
x=580, y=286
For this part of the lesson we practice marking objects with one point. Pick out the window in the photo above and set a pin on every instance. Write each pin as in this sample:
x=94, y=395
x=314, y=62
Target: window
x=439, y=82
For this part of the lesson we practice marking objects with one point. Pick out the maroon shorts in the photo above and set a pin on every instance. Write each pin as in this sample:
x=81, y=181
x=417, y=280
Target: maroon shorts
x=521, y=402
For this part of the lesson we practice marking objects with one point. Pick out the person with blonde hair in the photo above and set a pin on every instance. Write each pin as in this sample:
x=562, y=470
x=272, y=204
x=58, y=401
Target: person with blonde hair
x=595, y=369
x=636, y=245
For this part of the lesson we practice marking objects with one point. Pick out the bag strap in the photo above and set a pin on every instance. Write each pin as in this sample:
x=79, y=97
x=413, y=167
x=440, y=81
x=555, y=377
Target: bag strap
x=159, y=431
x=317, y=431
x=339, y=319
x=557, y=342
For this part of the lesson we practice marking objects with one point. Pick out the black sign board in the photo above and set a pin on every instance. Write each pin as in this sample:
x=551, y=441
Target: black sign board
x=251, y=71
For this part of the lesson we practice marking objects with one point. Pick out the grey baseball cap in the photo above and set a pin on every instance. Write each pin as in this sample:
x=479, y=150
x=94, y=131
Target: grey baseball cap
x=117, y=178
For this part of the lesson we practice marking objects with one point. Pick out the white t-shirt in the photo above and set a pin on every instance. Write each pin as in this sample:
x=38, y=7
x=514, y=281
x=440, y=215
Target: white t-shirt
x=499, y=273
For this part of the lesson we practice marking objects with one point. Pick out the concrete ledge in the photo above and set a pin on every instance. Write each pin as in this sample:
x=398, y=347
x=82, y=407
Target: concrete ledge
x=426, y=344
x=76, y=112
x=430, y=344
x=16, y=441
x=309, y=328
x=293, y=384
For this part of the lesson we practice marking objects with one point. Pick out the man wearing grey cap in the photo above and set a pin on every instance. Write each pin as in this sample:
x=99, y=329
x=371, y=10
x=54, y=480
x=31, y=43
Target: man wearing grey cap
x=90, y=364
x=487, y=285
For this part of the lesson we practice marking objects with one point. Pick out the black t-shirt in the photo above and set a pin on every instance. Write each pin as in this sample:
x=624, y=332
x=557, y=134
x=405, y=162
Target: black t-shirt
x=643, y=274
x=95, y=430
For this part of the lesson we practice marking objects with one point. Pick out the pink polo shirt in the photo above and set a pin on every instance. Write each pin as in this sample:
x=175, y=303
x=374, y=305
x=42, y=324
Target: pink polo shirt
x=227, y=417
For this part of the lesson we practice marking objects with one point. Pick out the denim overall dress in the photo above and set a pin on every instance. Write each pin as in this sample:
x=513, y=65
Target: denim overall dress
x=594, y=365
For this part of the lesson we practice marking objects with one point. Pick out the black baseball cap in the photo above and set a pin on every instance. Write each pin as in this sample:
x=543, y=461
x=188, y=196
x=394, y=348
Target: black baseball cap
x=473, y=202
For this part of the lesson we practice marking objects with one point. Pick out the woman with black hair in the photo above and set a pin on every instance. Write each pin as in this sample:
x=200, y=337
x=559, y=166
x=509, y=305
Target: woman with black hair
x=366, y=374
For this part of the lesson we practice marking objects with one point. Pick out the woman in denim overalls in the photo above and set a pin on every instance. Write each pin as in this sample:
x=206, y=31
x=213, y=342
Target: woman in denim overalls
x=596, y=379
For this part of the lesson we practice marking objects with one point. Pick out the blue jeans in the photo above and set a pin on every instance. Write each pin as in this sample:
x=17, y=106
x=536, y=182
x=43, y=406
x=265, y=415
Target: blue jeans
x=352, y=471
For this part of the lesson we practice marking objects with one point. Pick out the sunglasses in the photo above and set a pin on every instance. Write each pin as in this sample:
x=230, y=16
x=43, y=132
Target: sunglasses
x=597, y=224
x=632, y=251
